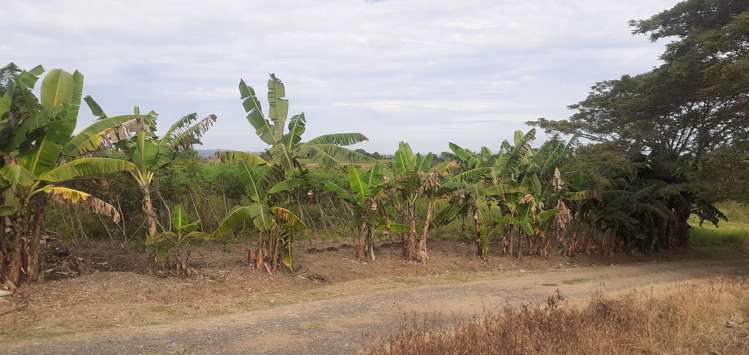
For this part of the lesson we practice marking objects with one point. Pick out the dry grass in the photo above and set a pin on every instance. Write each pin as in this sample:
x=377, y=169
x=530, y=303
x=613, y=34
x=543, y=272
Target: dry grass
x=709, y=316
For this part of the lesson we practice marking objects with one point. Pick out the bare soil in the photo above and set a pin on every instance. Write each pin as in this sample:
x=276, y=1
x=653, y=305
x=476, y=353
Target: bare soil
x=328, y=306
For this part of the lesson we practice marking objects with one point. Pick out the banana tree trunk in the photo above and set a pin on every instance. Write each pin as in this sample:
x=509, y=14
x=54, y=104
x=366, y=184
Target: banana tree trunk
x=23, y=225
x=360, y=240
x=28, y=251
x=512, y=237
x=481, y=243
x=260, y=252
x=15, y=268
x=37, y=244
x=409, y=246
x=275, y=241
x=422, y=251
x=148, y=211
x=370, y=242
x=182, y=260
x=266, y=252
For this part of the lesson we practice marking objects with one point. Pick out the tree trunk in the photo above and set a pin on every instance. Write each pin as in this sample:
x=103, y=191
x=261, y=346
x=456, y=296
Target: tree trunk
x=22, y=224
x=680, y=228
x=260, y=252
x=37, y=244
x=275, y=247
x=15, y=269
x=360, y=240
x=422, y=254
x=481, y=245
x=409, y=246
x=6, y=231
x=370, y=242
x=148, y=211
x=511, y=241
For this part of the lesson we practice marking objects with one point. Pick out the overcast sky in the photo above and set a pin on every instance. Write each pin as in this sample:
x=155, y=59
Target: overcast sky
x=424, y=71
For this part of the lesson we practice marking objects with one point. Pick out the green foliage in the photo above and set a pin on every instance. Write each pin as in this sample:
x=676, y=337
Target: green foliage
x=286, y=149
x=34, y=169
x=366, y=195
x=182, y=234
x=657, y=148
x=675, y=122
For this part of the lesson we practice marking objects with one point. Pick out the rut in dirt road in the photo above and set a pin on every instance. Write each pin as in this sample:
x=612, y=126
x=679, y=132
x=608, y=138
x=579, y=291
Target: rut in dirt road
x=339, y=326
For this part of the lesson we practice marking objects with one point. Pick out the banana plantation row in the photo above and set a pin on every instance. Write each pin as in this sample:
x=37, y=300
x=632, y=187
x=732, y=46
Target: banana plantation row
x=518, y=199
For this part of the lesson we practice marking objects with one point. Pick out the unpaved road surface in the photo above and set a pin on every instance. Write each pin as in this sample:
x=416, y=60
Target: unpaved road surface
x=339, y=326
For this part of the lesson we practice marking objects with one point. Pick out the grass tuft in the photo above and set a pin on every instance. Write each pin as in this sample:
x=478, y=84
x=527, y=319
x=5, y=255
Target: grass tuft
x=727, y=234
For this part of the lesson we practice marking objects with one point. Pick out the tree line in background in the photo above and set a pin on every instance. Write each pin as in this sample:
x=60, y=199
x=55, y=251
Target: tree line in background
x=642, y=154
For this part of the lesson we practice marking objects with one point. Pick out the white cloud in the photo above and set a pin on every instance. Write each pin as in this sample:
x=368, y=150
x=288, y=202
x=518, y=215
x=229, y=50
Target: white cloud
x=425, y=71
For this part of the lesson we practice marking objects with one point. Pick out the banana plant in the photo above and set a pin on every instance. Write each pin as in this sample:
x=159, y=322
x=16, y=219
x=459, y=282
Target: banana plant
x=178, y=240
x=283, y=135
x=466, y=190
x=277, y=227
x=36, y=169
x=477, y=172
x=415, y=180
x=366, y=195
x=134, y=139
x=285, y=146
x=530, y=192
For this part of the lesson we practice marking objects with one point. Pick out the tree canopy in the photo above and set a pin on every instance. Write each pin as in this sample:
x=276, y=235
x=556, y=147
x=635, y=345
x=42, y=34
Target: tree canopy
x=674, y=119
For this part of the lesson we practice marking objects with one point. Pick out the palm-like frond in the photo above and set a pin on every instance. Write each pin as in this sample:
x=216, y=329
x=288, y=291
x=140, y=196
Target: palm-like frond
x=358, y=186
x=424, y=162
x=279, y=105
x=521, y=152
x=256, y=179
x=255, y=113
x=180, y=125
x=286, y=185
x=297, y=126
x=404, y=159
x=75, y=197
x=330, y=155
x=344, y=139
x=234, y=157
x=182, y=135
x=288, y=218
x=181, y=223
x=341, y=192
x=86, y=167
x=473, y=175
x=104, y=133
x=96, y=110
x=463, y=154
x=16, y=174
x=256, y=213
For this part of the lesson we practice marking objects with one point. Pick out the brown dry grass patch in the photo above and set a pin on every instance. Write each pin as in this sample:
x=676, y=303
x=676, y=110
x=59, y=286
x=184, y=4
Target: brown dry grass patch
x=708, y=316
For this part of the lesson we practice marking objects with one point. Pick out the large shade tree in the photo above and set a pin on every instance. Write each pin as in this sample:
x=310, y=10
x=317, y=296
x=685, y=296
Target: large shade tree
x=676, y=117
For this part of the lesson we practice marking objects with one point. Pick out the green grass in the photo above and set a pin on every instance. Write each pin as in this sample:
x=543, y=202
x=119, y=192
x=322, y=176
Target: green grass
x=728, y=234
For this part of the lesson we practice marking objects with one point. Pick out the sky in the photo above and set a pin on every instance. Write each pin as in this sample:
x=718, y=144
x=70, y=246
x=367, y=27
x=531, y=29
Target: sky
x=427, y=72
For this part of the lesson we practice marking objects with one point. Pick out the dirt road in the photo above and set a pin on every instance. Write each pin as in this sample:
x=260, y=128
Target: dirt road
x=338, y=326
